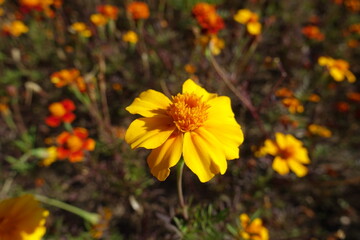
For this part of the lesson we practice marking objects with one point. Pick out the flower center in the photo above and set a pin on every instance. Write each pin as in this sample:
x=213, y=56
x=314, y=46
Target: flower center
x=188, y=111
x=74, y=143
x=286, y=153
x=57, y=109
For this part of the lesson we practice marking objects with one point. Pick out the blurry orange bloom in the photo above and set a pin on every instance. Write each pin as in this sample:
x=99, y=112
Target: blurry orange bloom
x=338, y=69
x=353, y=96
x=252, y=229
x=109, y=11
x=353, y=5
x=138, y=10
x=22, y=218
x=314, y=98
x=68, y=76
x=40, y=5
x=284, y=92
x=342, y=106
x=4, y=109
x=355, y=28
x=131, y=37
x=313, y=32
x=61, y=112
x=289, y=154
x=15, y=28
x=293, y=105
x=195, y=124
x=319, y=130
x=250, y=19
x=98, y=229
x=2, y=1
x=98, y=19
x=207, y=18
x=353, y=43
x=189, y=68
x=73, y=145
x=80, y=28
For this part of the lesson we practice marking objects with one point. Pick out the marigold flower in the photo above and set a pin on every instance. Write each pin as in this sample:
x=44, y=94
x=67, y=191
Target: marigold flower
x=293, y=105
x=22, y=218
x=338, y=69
x=250, y=19
x=313, y=32
x=314, y=98
x=138, y=10
x=319, y=130
x=196, y=124
x=189, y=68
x=73, y=145
x=252, y=229
x=4, y=109
x=289, y=154
x=109, y=11
x=80, y=28
x=207, y=18
x=68, y=76
x=61, y=112
x=98, y=19
x=342, y=106
x=353, y=96
x=284, y=92
x=50, y=156
x=15, y=28
x=131, y=37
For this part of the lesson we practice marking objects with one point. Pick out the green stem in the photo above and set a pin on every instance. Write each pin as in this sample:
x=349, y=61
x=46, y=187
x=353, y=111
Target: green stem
x=180, y=169
x=93, y=218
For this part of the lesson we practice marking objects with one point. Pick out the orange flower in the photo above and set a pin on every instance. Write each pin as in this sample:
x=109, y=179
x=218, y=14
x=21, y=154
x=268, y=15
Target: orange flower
x=293, y=105
x=207, y=18
x=109, y=11
x=68, y=76
x=73, y=145
x=252, y=229
x=15, y=28
x=80, y=28
x=319, y=130
x=98, y=19
x=284, y=92
x=338, y=69
x=138, y=10
x=314, y=98
x=353, y=96
x=313, y=32
x=60, y=112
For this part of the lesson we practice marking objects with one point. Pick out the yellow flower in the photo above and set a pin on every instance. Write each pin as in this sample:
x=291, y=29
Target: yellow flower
x=250, y=19
x=98, y=19
x=293, y=105
x=252, y=230
x=338, y=69
x=216, y=45
x=49, y=157
x=15, y=28
x=289, y=154
x=196, y=124
x=22, y=218
x=131, y=37
x=80, y=28
x=319, y=130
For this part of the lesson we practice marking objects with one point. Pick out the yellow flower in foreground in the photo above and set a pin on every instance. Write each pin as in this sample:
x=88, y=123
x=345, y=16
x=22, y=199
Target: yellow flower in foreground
x=252, y=230
x=22, y=218
x=289, y=153
x=15, y=28
x=319, y=130
x=250, y=19
x=338, y=69
x=196, y=124
x=131, y=37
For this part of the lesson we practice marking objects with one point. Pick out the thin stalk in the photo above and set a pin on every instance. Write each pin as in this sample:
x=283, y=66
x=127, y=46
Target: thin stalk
x=180, y=169
x=93, y=218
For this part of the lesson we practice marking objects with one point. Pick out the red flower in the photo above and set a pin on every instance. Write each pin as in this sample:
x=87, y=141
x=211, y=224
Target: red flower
x=207, y=18
x=60, y=112
x=73, y=145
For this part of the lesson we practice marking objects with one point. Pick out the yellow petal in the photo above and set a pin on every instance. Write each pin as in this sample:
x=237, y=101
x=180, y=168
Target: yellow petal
x=149, y=104
x=242, y=16
x=270, y=147
x=149, y=133
x=299, y=169
x=202, y=155
x=323, y=61
x=280, y=140
x=302, y=156
x=254, y=28
x=280, y=165
x=190, y=86
x=337, y=74
x=161, y=159
x=350, y=76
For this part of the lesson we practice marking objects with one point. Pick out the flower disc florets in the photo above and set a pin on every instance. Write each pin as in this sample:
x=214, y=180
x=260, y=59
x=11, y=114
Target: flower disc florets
x=188, y=111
